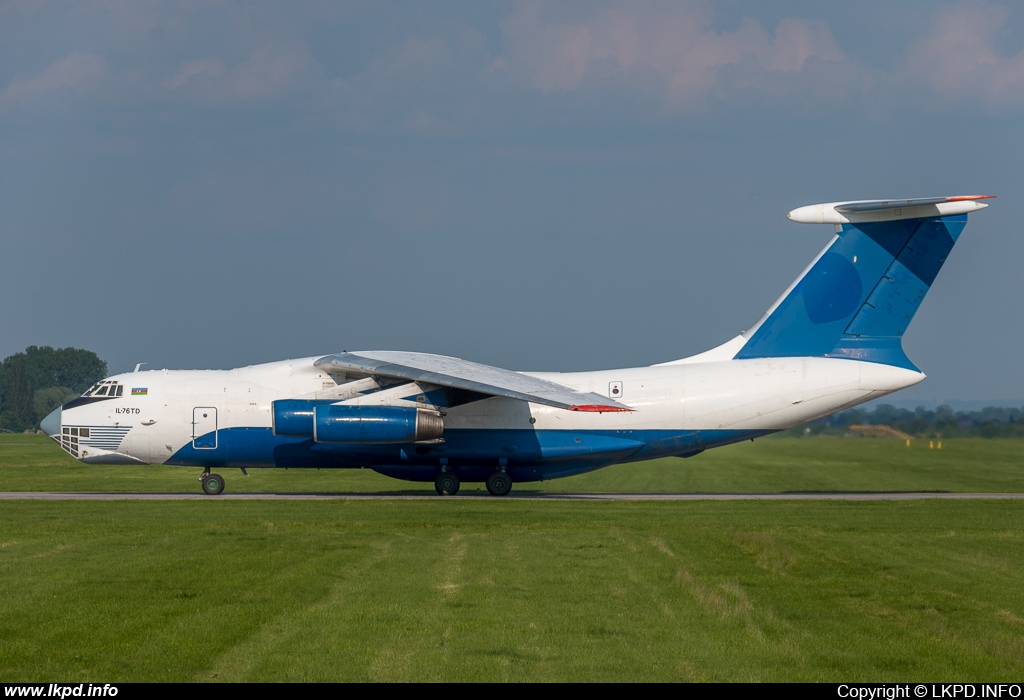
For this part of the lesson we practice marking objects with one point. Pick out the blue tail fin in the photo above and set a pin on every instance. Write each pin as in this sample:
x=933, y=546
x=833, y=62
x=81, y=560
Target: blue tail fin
x=858, y=296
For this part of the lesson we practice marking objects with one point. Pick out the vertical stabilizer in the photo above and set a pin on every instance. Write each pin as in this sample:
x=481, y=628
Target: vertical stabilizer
x=860, y=293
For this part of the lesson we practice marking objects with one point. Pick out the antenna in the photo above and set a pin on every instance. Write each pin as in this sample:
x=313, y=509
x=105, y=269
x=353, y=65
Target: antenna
x=140, y=365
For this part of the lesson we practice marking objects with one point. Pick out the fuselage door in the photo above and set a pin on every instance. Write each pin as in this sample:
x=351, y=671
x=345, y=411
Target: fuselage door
x=204, y=428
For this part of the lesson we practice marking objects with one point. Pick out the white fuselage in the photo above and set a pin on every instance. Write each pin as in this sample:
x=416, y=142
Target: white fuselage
x=730, y=399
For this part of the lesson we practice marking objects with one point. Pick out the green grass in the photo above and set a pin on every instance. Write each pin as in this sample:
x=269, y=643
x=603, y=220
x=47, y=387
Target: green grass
x=511, y=590
x=33, y=463
x=500, y=589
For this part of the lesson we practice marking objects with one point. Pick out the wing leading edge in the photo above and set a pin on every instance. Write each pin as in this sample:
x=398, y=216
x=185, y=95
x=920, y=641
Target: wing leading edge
x=456, y=373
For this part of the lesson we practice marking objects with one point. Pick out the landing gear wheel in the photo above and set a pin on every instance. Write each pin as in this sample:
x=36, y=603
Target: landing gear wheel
x=498, y=484
x=213, y=484
x=447, y=484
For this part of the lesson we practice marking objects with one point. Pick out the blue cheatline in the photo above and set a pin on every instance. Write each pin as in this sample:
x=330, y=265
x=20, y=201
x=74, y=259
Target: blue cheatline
x=529, y=455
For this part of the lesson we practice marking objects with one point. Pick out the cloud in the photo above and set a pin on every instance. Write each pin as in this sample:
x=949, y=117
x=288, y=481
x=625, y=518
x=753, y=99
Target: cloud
x=76, y=73
x=673, y=43
x=190, y=69
x=270, y=71
x=430, y=85
x=958, y=58
x=440, y=73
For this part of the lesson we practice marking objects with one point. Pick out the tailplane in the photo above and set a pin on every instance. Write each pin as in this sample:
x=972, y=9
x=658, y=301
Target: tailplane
x=857, y=297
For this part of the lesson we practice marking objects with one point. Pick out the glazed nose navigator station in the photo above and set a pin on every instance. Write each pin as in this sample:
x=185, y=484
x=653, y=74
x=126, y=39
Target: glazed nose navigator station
x=93, y=427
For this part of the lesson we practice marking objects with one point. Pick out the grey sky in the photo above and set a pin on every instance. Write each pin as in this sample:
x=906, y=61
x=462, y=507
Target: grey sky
x=535, y=185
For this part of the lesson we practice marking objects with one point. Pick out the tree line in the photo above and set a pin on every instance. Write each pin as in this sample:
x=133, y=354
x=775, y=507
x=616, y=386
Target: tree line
x=989, y=422
x=38, y=380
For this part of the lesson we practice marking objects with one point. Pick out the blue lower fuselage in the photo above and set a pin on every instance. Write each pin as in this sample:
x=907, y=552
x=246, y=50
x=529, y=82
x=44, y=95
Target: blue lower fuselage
x=526, y=455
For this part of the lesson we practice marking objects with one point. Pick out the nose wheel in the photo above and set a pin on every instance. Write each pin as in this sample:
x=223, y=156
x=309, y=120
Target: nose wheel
x=213, y=484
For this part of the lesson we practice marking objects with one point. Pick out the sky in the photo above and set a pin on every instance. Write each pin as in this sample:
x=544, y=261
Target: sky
x=540, y=186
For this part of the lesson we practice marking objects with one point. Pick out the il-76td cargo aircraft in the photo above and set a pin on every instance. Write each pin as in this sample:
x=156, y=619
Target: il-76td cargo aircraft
x=832, y=340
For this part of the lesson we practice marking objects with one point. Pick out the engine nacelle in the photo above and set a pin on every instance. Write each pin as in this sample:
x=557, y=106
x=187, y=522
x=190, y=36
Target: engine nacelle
x=293, y=417
x=324, y=422
x=374, y=424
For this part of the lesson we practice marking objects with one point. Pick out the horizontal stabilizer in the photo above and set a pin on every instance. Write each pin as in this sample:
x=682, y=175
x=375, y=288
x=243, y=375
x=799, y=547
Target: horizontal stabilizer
x=872, y=210
x=456, y=373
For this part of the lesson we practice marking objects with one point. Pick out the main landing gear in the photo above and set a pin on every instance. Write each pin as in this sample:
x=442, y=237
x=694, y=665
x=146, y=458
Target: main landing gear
x=447, y=484
x=499, y=484
x=213, y=484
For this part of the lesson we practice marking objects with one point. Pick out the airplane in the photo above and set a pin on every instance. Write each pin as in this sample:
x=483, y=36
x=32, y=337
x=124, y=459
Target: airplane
x=831, y=341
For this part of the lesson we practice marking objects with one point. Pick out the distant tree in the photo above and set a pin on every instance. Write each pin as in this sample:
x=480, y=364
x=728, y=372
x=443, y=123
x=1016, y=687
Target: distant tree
x=887, y=414
x=45, y=400
x=944, y=414
x=30, y=380
x=989, y=422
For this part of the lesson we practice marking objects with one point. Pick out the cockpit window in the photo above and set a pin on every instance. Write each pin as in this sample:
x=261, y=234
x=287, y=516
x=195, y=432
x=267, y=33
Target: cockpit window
x=105, y=388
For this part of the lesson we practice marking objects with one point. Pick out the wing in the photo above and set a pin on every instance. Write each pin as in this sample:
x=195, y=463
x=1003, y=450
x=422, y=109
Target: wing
x=455, y=373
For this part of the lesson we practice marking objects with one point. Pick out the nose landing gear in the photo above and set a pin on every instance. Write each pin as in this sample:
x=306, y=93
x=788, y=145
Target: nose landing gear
x=213, y=484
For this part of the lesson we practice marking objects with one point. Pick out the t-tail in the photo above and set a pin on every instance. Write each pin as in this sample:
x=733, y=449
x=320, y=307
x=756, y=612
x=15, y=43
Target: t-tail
x=857, y=297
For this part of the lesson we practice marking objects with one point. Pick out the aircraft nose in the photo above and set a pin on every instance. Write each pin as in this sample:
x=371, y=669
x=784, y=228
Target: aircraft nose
x=51, y=424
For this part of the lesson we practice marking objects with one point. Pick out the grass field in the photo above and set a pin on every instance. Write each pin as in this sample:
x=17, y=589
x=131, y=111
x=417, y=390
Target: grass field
x=33, y=463
x=501, y=589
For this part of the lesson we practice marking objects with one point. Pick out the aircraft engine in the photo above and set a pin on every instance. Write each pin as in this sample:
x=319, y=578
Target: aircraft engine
x=325, y=422
x=375, y=424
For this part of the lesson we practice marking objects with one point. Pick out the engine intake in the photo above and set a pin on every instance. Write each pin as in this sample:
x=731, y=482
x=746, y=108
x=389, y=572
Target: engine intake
x=293, y=418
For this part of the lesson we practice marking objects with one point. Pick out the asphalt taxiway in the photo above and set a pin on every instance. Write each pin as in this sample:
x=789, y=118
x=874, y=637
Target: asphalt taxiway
x=522, y=495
